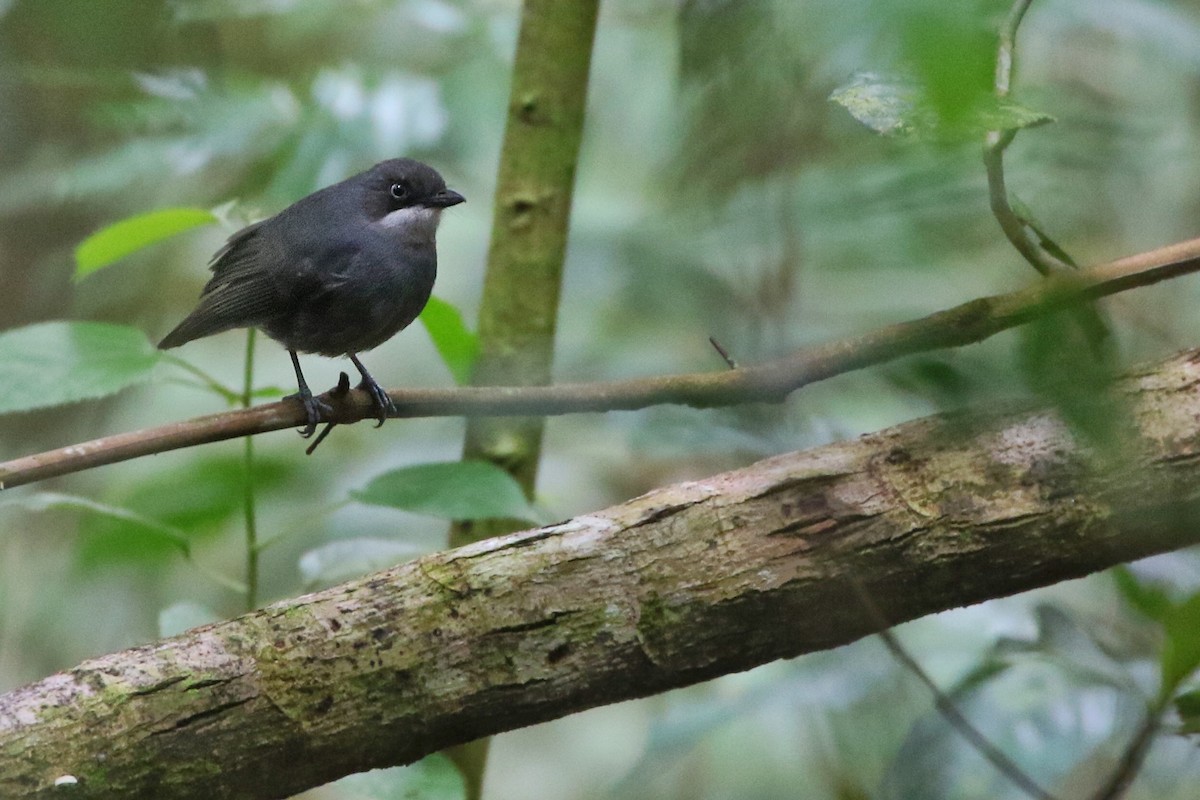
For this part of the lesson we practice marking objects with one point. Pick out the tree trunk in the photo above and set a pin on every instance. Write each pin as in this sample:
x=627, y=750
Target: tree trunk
x=532, y=215
x=677, y=586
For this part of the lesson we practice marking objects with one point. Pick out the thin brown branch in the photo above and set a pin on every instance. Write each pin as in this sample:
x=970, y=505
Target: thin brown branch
x=729, y=361
x=771, y=381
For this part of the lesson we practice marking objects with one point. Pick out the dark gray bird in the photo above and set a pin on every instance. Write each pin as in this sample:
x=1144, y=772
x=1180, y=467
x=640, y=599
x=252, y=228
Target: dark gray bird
x=336, y=273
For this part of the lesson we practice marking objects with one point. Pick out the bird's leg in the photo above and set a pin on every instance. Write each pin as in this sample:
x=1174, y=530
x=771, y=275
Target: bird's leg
x=313, y=407
x=383, y=403
x=341, y=390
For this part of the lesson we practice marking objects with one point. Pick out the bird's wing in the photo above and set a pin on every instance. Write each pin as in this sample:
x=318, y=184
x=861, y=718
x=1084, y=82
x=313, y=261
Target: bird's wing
x=242, y=291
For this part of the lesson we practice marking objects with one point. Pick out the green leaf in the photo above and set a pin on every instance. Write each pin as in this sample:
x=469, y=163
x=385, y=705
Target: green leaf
x=887, y=106
x=1008, y=115
x=1145, y=597
x=894, y=106
x=197, y=498
x=935, y=378
x=150, y=539
x=155, y=530
x=455, y=343
x=1067, y=358
x=451, y=490
x=52, y=363
x=134, y=233
x=951, y=50
x=1187, y=705
x=1181, y=651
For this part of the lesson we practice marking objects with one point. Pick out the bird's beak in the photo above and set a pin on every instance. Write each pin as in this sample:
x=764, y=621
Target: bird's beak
x=445, y=198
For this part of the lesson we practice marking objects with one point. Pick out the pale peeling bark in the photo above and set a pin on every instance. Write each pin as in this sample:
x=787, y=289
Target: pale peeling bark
x=682, y=584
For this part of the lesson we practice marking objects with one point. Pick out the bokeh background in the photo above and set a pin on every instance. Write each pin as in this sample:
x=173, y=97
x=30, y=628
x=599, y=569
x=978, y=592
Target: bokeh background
x=720, y=193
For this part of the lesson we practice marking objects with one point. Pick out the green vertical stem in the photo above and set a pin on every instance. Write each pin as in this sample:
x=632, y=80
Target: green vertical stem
x=532, y=209
x=248, y=500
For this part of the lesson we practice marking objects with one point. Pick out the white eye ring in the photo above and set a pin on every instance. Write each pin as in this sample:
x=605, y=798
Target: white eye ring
x=399, y=191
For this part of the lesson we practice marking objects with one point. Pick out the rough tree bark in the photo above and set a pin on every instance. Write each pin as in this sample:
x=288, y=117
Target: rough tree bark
x=674, y=587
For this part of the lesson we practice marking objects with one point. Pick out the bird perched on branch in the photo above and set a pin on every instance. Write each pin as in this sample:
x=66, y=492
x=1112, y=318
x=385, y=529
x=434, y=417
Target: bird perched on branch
x=336, y=273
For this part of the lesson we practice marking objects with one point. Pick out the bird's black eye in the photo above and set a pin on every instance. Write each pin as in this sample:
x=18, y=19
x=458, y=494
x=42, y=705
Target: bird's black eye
x=399, y=190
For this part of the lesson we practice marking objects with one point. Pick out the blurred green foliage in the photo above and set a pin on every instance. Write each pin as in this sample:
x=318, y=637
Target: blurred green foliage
x=720, y=193
x=64, y=362
x=200, y=498
x=450, y=490
x=895, y=106
x=455, y=342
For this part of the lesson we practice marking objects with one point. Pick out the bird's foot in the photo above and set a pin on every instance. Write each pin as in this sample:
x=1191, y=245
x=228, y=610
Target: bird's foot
x=314, y=409
x=341, y=390
x=382, y=402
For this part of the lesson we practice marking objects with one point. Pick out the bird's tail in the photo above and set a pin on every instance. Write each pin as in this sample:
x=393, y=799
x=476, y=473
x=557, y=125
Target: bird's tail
x=198, y=324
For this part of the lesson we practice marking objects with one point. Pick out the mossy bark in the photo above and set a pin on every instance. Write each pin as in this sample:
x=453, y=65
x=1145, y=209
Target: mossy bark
x=677, y=586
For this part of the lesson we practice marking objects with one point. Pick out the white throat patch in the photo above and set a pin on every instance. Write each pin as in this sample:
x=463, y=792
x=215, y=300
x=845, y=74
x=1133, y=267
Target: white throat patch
x=415, y=222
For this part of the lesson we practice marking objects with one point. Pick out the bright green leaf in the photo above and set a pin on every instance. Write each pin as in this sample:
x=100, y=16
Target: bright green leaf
x=134, y=233
x=52, y=363
x=451, y=490
x=455, y=343
x=950, y=47
x=150, y=539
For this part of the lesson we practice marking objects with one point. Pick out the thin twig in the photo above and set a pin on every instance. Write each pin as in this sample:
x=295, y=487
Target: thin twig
x=771, y=381
x=945, y=706
x=206, y=380
x=1008, y=44
x=723, y=352
x=1135, y=754
x=1015, y=226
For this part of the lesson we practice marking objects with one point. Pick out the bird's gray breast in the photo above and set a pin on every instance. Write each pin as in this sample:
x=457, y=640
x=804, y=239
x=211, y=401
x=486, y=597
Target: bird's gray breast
x=357, y=298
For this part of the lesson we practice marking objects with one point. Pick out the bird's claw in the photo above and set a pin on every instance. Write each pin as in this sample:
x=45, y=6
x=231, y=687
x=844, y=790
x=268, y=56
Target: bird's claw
x=314, y=409
x=317, y=410
x=341, y=390
x=379, y=397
